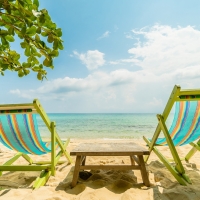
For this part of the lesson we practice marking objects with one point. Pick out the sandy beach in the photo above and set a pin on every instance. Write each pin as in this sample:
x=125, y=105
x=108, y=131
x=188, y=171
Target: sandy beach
x=103, y=185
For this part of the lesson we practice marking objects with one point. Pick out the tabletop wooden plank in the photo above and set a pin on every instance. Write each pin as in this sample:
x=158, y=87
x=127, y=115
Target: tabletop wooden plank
x=108, y=149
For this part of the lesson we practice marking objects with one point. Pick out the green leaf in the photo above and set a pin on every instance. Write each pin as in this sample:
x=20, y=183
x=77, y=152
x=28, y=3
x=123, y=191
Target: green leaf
x=20, y=73
x=47, y=62
x=54, y=53
x=4, y=41
x=50, y=38
x=39, y=76
x=38, y=30
x=44, y=11
x=60, y=45
x=53, y=26
x=29, y=59
x=3, y=32
x=16, y=57
x=36, y=69
x=44, y=34
x=42, y=43
x=28, y=21
x=37, y=54
x=26, y=71
x=21, y=2
x=11, y=31
x=36, y=2
x=42, y=19
x=26, y=65
x=6, y=18
x=33, y=50
x=23, y=45
x=35, y=60
x=58, y=32
x=55, y=45
x=10, y=38
x=20, y=35
x=31, y=31
x=23, y=30
x=5, y=66
x=34, y=7
x=37, y=38
x=27, y=51
x=41, y=66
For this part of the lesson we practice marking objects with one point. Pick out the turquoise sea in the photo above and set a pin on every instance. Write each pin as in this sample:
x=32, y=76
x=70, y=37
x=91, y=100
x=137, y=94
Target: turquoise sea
x=107, y=126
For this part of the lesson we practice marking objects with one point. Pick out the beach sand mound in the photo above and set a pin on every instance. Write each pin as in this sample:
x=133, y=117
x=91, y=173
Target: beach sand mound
x=102, y=184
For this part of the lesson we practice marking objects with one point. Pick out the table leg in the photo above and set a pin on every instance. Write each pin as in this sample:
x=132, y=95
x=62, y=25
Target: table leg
x=83, y=159
x=143, y=171
x=132, y=160
x=76, y=171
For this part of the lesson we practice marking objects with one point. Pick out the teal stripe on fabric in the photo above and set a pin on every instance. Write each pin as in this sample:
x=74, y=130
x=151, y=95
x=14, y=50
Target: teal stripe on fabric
x=194, y=135
x=10, y=134
x=25, y=133
x=31, y=140
x=185, y=125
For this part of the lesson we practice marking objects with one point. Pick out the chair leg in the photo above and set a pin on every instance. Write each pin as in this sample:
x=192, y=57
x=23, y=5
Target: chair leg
x=63, y=148
x=40, y=181
x=179, y=167
x=27, y=158
x=195, y=148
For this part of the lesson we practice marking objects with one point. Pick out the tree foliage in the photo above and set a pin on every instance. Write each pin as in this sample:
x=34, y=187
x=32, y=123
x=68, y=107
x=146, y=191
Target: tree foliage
x=23, y=19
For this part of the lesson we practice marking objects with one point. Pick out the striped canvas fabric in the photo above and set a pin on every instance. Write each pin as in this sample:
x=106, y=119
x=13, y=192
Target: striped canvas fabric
x=20, y=132
x=185, y=127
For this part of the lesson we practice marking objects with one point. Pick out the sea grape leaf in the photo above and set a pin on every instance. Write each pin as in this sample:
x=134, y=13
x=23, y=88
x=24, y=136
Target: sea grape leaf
x=23, y=19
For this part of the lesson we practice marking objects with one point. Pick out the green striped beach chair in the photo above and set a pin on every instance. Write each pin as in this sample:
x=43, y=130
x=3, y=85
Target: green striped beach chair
x=185, y=129
x=19, y=132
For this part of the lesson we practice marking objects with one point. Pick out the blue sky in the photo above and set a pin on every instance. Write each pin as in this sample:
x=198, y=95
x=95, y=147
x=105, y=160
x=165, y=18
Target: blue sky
x=119, y=56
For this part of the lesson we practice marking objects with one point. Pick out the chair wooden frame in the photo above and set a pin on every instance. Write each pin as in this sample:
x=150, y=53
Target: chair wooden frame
x=177, y=171
x=47, y=168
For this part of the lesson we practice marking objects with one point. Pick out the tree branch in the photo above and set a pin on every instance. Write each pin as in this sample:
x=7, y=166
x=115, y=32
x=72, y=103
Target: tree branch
x=1, y=13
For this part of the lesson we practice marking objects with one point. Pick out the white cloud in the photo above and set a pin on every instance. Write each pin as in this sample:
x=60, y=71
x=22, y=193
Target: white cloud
x=92, y=59
x=20, y=93
x=114, y=62
x=106, y=34
x=129, y=35
x=165, y=49
x=166, y=56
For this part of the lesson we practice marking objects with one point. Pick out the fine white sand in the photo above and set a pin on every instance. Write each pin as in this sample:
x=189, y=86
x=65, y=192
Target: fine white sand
x=103, y=185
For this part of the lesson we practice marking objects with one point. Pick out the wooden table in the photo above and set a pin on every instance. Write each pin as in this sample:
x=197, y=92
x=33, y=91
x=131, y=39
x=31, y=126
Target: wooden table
x=133, y=150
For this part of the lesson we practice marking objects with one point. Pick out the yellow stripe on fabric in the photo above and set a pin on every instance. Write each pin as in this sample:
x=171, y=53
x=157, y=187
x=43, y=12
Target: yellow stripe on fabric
x=194, y=122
